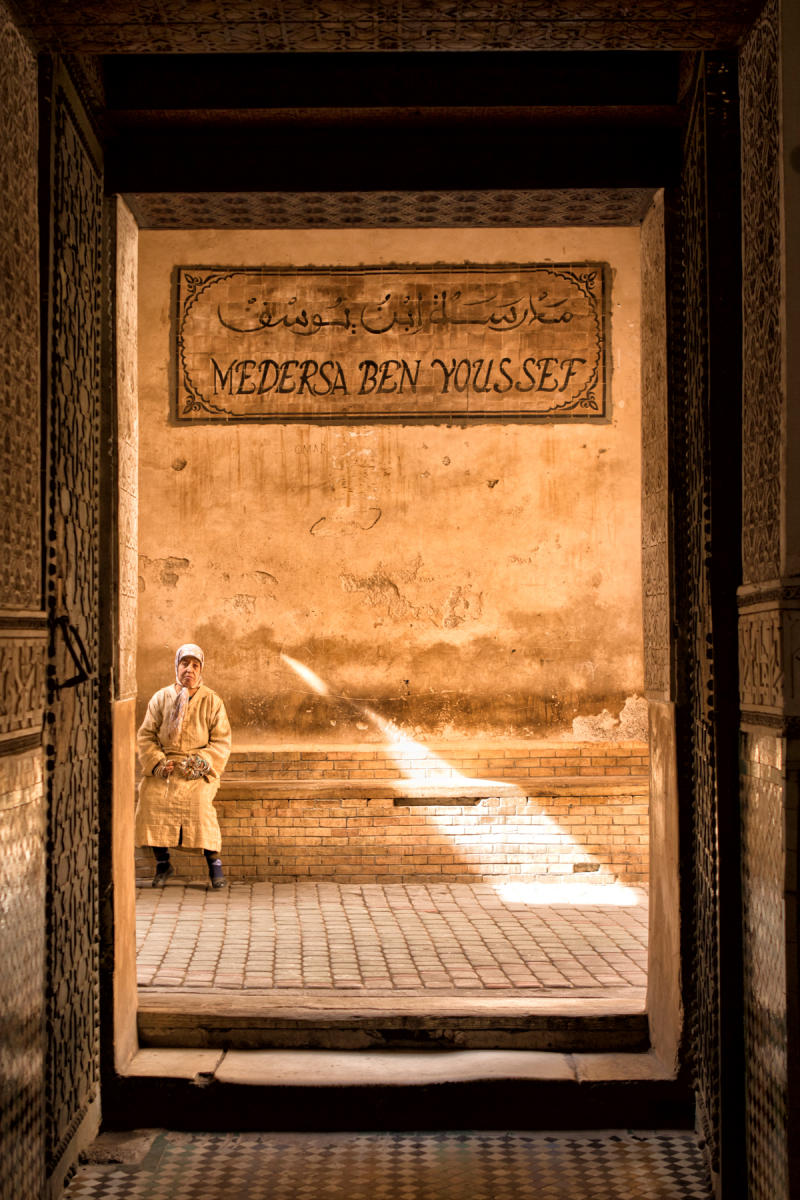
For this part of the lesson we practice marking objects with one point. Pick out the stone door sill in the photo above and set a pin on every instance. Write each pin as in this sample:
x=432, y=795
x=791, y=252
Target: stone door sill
x=602, y=1020
x=325, y=1068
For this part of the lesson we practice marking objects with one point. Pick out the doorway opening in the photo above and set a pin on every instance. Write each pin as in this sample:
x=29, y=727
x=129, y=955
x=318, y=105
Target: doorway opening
x=383, y=771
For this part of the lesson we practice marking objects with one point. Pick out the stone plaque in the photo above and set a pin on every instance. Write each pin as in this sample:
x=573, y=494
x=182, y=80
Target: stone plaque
x=412, y=342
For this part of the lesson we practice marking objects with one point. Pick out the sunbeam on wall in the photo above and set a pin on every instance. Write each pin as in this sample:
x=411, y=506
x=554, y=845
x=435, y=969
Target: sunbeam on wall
x=426, y=773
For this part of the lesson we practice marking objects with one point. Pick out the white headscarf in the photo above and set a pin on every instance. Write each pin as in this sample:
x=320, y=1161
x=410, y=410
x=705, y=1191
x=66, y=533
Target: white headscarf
x=172, y=730
x=189, y=651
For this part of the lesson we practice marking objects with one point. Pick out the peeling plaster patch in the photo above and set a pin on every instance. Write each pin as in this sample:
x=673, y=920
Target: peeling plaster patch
x=630, y=726
x=412, y=574
x=380, y=590
x=178, y=464
x=492, y=482
x=170, y=568
x=244, y=603
x=461, y=605
x=265, y=577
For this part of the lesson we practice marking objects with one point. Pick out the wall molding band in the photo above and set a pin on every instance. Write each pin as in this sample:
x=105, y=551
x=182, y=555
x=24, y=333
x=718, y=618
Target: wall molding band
x=772, y=724
x=23, y=620
x=778, y=593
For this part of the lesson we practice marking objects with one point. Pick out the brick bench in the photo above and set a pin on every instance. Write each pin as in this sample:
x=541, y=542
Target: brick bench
x=302, y=814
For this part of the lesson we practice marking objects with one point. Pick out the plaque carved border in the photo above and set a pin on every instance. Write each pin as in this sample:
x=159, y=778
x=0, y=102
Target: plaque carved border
x=201, y=328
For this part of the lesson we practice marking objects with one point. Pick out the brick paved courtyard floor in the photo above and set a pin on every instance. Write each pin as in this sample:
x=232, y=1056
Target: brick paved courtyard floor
x=389, y=939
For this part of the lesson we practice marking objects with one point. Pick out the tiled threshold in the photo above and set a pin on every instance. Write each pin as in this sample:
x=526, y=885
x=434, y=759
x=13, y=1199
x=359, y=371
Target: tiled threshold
x=577, y=1021
x=395, y=1089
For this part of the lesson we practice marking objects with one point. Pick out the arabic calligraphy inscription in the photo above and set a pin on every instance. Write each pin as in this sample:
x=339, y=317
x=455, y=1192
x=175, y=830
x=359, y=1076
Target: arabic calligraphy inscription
x=260, y=344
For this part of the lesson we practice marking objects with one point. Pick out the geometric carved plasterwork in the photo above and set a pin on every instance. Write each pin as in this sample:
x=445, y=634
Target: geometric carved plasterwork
x=761, y=665
x=769, y=654
x=20, y=572
x=493, y=208
x=762, y=332
x=22, y=635
x=22, y=683
x=769, y=628
x=141, y=26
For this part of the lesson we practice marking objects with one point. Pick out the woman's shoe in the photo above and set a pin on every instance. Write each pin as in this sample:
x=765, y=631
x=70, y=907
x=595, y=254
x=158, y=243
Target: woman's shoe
x=215, y=873
x=163, y=872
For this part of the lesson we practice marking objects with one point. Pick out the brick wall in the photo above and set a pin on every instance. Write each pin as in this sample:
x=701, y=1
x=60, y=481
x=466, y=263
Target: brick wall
x=504, y=761
x=532, y=812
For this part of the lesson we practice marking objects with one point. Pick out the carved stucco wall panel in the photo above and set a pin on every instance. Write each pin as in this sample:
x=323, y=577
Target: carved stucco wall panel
x=22, y=682
x=769, y=625
x=20, y=575
x=769, y=655
x=762, y=383
x=23, y=639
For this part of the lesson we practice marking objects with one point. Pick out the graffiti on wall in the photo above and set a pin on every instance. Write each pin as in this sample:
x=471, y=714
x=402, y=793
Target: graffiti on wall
x=260, y=344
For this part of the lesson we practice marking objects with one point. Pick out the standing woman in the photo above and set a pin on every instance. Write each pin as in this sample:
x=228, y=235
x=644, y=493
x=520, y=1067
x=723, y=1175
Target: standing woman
x=184, y=742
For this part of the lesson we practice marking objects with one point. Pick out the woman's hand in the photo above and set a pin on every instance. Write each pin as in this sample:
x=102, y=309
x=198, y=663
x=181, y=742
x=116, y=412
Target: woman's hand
x=164, y=769
x=194, y=767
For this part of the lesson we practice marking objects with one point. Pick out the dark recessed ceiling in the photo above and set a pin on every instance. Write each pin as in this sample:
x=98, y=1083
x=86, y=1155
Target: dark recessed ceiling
x=391, y=123
x=410, y=80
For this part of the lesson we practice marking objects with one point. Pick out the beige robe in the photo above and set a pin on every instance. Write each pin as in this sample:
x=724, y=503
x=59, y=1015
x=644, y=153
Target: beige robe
x=176, y=811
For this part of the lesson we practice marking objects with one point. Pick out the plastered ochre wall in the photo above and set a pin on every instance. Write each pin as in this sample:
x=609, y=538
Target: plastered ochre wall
x=462, y=580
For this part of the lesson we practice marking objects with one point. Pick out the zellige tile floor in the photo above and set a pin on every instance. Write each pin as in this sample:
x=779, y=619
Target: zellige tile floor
x=605, y=1165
